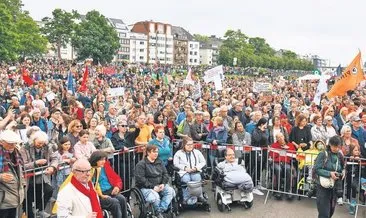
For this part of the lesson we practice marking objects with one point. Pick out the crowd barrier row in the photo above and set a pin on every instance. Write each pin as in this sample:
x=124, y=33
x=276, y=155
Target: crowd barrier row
x=279, y=172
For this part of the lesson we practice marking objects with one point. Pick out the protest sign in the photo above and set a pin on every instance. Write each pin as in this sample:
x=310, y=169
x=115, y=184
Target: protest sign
x=262, y=87
x=114, y=92
x=50, y=96
x=213, y=74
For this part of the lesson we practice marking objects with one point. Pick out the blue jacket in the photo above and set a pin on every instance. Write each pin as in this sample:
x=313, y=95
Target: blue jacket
x=250, y=127
x=41, y=123
x=360, y=135
x=165, y=149
x=181, y=116
x=220, y=137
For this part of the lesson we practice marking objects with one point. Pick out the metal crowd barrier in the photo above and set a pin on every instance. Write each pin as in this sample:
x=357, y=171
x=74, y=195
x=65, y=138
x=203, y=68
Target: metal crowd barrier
x=273, y=170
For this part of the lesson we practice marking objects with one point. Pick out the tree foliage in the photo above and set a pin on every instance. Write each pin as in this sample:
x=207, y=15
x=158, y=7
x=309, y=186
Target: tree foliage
x=19, y=33
x=59, y=28
x=201, y=38
x=95, y=38
x=256, y=52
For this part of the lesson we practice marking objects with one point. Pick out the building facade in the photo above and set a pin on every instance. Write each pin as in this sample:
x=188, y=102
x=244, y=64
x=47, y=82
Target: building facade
x=209, y=51
x=138, y=48
x=193, y=53
x=186, y=49
x=123, y=53
x=159, y=41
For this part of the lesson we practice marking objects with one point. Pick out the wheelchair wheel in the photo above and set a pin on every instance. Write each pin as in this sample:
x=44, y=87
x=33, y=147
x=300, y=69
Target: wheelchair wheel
x=219, y=203
x=129, y=211
x=137, y=204
x=175, y=207
x=248, y=204
x=106, y=214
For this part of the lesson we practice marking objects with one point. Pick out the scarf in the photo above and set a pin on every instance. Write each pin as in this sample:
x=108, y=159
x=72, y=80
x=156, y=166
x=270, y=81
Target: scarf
x=91, y=194
x=5, y=159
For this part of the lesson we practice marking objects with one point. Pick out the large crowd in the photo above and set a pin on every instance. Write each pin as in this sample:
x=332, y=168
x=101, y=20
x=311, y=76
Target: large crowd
x=46, y=126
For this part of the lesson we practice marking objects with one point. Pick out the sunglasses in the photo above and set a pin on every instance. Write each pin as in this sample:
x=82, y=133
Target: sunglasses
x=78, y=126
x=123, y=125
x=83, y=171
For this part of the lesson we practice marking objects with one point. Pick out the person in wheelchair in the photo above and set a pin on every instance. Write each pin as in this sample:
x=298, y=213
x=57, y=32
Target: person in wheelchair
x=282, y=165
x=235, y=174
x=152, y=179
x=108, y=185
x=190, y=161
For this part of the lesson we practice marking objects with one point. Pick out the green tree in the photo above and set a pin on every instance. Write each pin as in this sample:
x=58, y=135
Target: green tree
x=8, y=35
x=31, y=42
x=261, y=47
x=19, y=34
x=59, y=28
x=289, y=54
x=95, y=38
x=201, y=38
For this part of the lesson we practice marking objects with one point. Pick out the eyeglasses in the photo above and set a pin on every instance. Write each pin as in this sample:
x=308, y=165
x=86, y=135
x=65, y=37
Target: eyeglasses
x=78, y=126
x=123, y=125
x=83, y=171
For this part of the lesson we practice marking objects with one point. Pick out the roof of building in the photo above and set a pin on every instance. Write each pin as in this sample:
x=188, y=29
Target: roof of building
x=180, y=33
x=212, y=43
x=118, y=23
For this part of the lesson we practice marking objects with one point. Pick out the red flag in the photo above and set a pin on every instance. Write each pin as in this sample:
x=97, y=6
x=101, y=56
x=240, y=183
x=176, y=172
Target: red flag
x=26, y=78
x=85, y=79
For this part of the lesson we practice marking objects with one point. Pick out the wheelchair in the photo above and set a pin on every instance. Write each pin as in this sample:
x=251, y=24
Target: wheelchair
x=195, y=189
x=225, y=195
x=107, y=214
x=141, y=209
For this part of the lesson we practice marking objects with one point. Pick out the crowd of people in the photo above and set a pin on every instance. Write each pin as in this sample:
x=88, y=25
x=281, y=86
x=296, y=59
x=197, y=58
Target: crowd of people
x=45, y=125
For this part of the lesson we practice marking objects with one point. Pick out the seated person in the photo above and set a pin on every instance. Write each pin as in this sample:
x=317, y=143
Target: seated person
x=152, y=179
x=235, y=174
x=107, y=184
x=189, y=161
x=282, y=162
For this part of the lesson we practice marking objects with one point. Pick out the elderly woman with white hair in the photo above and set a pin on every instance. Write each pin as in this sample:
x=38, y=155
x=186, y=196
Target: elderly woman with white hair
x=37, y=156
x=101, y=142
x=350, y=149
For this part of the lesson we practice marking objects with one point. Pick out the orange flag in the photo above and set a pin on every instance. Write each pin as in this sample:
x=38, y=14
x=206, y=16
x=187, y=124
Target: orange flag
x=349, y=80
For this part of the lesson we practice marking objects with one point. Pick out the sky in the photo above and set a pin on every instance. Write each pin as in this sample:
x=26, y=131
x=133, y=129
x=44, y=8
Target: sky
x=331, y=29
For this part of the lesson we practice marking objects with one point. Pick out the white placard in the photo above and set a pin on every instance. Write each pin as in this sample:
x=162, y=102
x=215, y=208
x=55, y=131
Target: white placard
x=213, y=74
x=50, y=96
x=120, y=91
x=262, y=87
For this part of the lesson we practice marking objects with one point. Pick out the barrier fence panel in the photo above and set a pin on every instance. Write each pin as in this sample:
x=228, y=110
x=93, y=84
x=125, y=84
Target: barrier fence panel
x=279, y=172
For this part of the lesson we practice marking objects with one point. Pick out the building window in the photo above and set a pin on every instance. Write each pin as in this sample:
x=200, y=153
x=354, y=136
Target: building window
x=195, y=60
x=191, y=53
x=142, y=50
x=191, y=45
x=142, y=43
x=141, y=57
x=122, y=34
x=195, y=46
x=190, y=60
x=195, y=53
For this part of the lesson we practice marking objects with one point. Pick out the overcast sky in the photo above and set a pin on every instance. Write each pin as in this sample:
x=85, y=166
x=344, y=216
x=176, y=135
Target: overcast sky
x=332, y=29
